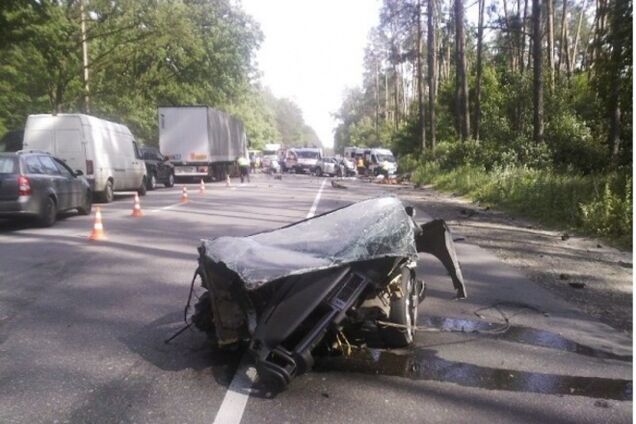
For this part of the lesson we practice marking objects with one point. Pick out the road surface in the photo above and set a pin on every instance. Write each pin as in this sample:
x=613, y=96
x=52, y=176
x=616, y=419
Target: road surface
x=83, y=324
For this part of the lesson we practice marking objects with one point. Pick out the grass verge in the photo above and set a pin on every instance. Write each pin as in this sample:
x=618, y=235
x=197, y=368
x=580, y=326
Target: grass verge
x=599, y=205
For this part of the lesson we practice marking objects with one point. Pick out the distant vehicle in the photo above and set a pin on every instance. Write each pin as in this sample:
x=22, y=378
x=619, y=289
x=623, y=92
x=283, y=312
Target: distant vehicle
x=328, y=166
x=302, y=159
x=200, y=141
x=36, y=184
x=158, y=167
x=376, y=160
x=271, y=156
x=105, y=152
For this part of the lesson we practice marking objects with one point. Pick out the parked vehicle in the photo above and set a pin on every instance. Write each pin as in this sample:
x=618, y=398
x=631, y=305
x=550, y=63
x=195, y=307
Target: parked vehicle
x=200, y=141
x=352, y=268
x=36, y=184
x=158, y=167
x=302, y=160
x=105, y=152
x=328, y=166
x=376, y=160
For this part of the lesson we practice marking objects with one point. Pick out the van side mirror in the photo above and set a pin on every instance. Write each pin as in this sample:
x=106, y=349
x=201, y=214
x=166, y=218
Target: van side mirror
x=78, y=173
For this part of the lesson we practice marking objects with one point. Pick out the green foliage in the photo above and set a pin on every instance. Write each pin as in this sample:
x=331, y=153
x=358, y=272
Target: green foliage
x=142, y=54
x=595, y=204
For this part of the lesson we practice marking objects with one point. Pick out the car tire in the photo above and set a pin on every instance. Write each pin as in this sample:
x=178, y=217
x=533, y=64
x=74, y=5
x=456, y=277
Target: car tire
x=48, y=213
x=107, y=195
x=87, y=206
x=142, y=188
x=403, y=311
x=170, y=182
x=152, y=182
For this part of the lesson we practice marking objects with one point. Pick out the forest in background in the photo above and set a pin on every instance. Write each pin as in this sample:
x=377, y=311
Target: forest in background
x=141, y=54
x=528, y=108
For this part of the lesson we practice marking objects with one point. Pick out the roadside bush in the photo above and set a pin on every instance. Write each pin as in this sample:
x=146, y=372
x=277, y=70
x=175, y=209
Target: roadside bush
x=596, y=204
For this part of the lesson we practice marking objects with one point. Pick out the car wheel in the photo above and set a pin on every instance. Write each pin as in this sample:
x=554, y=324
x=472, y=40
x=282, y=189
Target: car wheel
x=170, y=182
x=142, y=188
x=107, y=195
x=152, y=182
x=87, y=206
x=48, y=213
x=403, y=311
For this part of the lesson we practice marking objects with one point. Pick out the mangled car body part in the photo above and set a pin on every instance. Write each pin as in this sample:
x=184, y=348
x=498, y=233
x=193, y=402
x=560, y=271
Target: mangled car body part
x=301, y=290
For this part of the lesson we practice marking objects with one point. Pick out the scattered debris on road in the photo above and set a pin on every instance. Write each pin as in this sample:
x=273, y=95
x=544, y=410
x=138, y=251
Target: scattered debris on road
x=335, y=184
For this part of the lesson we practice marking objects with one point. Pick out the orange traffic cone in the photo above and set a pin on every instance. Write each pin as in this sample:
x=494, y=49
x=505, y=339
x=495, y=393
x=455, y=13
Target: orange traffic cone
x=202, y=187
x=98, y=228
x=184, y=195
x=227, y=180
x=136, y=212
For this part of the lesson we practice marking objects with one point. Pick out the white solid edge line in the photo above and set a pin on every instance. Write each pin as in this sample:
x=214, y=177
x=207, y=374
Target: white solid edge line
x=235, y=400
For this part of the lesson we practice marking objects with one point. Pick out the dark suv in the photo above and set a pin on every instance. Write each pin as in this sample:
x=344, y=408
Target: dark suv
x=36, y=184
x=159, y=169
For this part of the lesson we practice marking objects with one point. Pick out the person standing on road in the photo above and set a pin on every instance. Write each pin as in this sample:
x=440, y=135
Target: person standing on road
x=244, y=168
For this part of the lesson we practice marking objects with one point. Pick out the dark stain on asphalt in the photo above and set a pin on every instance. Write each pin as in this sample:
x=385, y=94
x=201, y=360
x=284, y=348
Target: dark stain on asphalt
x=424, y=364
x=519, y=334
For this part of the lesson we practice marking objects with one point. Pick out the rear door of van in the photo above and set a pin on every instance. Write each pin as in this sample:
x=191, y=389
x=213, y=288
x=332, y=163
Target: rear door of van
x=69, y=148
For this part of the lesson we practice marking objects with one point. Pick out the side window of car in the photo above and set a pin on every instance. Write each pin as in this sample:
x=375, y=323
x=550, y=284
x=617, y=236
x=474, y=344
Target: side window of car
x=48, y=165
x=33, y=165
x=64, y=170
x=136, y=149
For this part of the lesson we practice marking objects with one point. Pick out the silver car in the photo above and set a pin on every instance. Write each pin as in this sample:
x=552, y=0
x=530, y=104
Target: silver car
x=328, y=166
x=36, y=184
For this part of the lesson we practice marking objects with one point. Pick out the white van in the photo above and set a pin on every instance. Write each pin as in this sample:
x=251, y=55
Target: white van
x=106, y=152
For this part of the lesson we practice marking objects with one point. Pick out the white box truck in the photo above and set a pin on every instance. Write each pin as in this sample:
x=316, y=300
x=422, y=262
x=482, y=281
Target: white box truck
x=201, y=141
x=105, y=152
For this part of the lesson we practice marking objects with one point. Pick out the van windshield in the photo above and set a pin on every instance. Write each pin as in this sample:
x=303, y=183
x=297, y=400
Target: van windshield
x=388, y=158
x=305, y=154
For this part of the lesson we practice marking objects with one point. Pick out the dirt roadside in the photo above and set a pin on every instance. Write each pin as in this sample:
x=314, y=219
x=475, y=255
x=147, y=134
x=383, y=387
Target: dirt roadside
x=596, y=278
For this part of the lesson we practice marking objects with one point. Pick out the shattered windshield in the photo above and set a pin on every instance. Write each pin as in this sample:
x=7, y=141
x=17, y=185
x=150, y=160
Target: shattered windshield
x=369, y=229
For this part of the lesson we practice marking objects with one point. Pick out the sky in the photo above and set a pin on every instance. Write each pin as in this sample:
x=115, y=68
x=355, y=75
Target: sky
x=313, y=50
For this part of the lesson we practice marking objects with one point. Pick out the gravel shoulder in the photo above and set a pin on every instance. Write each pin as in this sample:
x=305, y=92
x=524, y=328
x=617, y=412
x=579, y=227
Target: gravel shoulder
x=598, y=279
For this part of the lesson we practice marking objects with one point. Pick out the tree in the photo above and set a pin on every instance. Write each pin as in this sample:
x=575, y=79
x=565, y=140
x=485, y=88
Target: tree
x=461, y=82
x=420, y=84
x=432, y=83
x=480, y=37
x=537, y=72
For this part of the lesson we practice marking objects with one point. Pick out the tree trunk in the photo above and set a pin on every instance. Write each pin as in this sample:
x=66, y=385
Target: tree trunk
x=420, y=85
x=564, y=54
x=396, y=96
x=616, y=59
x=550, y=12
x=537, y=72
x=461, y=82
x=523, y=36
x=386, y=95
x=578, y=33
x=431, y=70
x=377, y=97
x=480, y=36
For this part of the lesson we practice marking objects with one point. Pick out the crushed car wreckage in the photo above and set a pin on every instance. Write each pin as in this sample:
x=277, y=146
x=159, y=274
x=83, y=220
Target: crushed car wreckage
x=299, y=291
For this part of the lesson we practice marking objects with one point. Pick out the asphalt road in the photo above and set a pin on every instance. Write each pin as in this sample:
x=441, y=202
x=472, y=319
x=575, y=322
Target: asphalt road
x=83, y=324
